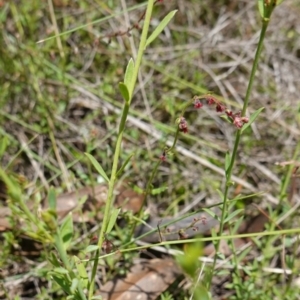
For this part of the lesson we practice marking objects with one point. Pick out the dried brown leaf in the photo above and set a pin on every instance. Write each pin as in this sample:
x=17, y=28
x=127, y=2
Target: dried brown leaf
x=146, y=281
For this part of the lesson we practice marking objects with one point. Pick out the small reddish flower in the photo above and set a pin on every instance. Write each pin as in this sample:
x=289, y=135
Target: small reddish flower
x=197, y=103
x=245, y=119
x=183, y=127
x=238, y=122
x=163, y=157
x=220, y=107
x=229, y=113
x=203, y=220
x=210, y=100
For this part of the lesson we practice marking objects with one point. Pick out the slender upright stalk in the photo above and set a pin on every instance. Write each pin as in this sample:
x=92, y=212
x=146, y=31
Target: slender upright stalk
x=117, y=151
x=237, y=138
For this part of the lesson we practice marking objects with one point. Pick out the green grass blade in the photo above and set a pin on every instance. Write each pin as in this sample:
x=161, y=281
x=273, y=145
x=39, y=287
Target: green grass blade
x=160, y=27
x=97, y=166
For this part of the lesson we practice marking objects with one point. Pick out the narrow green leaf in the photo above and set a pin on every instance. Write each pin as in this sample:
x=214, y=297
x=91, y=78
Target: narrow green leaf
x=160, y=27
x=61, y=270
x=81, y=271
x=242, y=255
x=52, y=258
x=91, y=248
x=112, y=220
x=220, y=255
x=97, y=166
x=13, y=187
x=66, y=231
x=159, y=190
x=52, y=199
x=124, y=165
x=3, y=145
x=261, y=8
x=237, y=225
x=74, y=285
x=221, y=195
x=129, y=73
x=62, y=281
x=252, y=118
x=232, y=215
x=124, y=91
x=227, y=161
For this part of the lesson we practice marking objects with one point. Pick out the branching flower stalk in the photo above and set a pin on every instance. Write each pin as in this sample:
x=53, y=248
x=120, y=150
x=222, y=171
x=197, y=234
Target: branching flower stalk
x=229, y=183
x=181, y=127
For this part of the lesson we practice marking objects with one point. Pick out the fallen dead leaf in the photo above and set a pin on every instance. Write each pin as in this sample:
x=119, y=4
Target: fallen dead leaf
x=146, y=281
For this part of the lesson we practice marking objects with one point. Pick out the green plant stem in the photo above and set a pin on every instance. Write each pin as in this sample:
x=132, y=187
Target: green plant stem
x=292, y=232
x=265, y=23
x=117, y=151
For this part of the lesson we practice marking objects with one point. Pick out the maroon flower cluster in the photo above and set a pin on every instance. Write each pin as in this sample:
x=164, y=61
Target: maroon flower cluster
x=236, y=118
x=182, y=124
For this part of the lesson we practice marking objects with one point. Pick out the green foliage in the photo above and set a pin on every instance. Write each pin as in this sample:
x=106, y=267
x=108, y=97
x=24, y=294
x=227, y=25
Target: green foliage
x=58, y=99
x=160, y=27
x=124, y=91
x=252, y=118
x=97, y=166
x=189, y=260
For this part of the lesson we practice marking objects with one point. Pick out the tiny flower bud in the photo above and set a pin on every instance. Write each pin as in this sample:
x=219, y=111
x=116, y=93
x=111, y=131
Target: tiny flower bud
x=183, y=127
x=197, y=103
x=238, y=122
x=210, y=100
x=220, y=107
x=163, y=157
x=229, y=113
x=245, y=119
x=203, y=220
